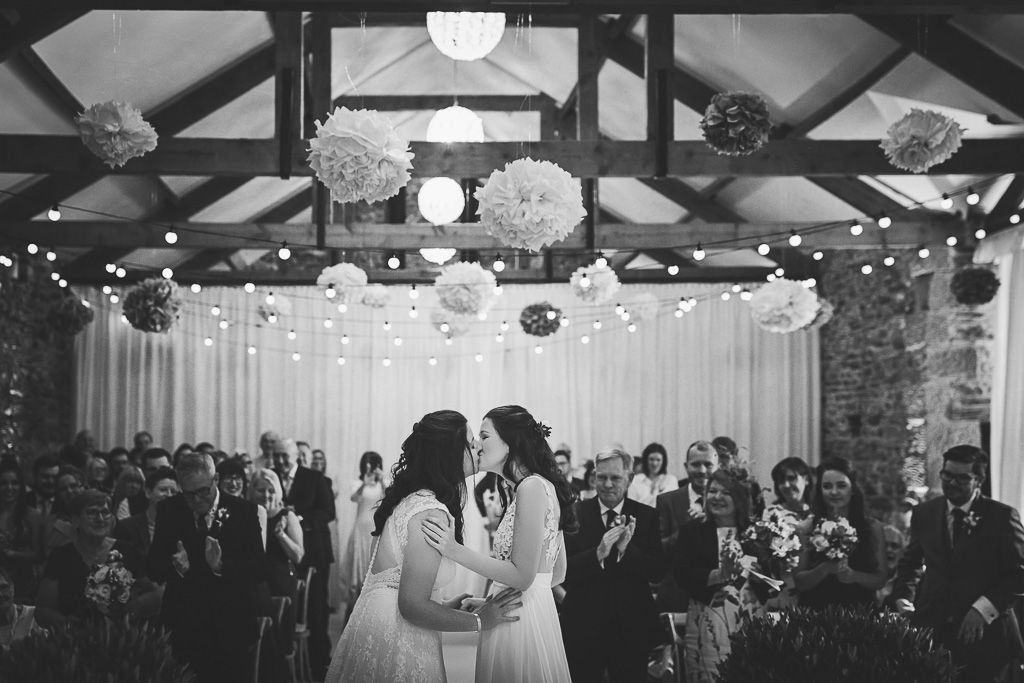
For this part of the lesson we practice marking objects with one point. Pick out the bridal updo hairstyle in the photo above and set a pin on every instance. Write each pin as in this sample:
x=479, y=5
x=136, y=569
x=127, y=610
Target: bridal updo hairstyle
x=528, y=448
x=432, y=458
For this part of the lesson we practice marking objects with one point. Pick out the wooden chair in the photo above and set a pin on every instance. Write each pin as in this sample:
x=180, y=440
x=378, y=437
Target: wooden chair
x=263, y=625
x=280, y=605
x=303, y=667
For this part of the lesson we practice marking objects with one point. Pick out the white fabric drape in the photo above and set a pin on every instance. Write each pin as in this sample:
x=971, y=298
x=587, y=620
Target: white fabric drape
x=673, y=380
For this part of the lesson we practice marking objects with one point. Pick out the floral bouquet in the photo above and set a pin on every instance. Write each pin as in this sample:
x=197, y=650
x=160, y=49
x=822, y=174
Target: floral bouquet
x=774, y=541
x=834, y=539
x=109, y=586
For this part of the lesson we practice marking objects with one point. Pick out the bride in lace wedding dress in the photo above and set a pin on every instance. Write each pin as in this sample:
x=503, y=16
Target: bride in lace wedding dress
x=528, y=552
x=394, y=633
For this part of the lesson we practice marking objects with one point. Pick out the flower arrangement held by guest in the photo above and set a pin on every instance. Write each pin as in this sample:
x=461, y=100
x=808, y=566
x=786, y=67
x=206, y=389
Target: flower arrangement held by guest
x=653, y=478
x=792, y=481
x=845, y=561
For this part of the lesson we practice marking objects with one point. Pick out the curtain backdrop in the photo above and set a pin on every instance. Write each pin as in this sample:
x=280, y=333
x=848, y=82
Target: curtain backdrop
x=674, y=380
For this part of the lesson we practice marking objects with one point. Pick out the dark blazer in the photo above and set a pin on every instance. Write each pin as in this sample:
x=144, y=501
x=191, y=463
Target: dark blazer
x=209, y=614
x=673, y=513
x=135, y=532
x=944, y=582
x=695, y=556
x=619, y=595
x=311, y=497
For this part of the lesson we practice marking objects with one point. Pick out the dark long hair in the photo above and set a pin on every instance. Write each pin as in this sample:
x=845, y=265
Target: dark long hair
x=432, y=458
x=529, y=450
x=798, y=467
x=835, y=464
x=20, y=512
x=654, y=447
x=370, y=460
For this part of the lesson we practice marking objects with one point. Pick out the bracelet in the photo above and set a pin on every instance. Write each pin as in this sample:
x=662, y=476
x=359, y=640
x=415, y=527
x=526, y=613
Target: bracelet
x=479, y=624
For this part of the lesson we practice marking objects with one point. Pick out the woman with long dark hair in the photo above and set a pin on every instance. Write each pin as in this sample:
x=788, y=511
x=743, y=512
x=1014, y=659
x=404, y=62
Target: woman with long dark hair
x=653, y=478
x=529, y=554
x=366, y=492
x=394, y=633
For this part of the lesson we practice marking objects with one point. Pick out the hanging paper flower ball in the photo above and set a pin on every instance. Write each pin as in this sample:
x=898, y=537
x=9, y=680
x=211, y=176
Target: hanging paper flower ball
x=152, y=305
x=530, y=204
x=376, y=295
x=921, y=139
x=466, y=36
x=358, y=155
x=450, y=324
x=465, y=288
x=825, y=314
x=541, y=320
x=69, y=315
x=643, y=306
x=348, y=280
x=597, y=287
x=784, y=306
x=974, y=286
x=115, y=132
x=736, y=123
x=281, y=306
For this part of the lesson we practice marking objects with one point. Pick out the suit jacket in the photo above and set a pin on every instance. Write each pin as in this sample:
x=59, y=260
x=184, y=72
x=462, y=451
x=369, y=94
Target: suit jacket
x=34, y=500
x=311, y=497
x=988, y=560
x=135, y=532
x=620, y=593
x=200, y=602
x=673, y=513
x=696, y=555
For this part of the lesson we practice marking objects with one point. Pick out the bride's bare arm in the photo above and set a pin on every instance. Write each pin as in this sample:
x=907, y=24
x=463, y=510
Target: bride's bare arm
x=561, y=563
x=527, y=541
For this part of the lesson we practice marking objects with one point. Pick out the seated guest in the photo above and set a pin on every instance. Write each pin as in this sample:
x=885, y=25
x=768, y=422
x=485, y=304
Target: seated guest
x=97, y=474
x=21, y=531
x=138, y=529
x=853, y=580
x=895, y=542
x=62, y=589
x=609, y=621
x=44, y=484
x=59, y=528
x=81, y=448
x=653, y=479
x=231, y=478
x=16, y=620
x=283, y=544
x=117, y=459
x=129, y=490
x=710, y=573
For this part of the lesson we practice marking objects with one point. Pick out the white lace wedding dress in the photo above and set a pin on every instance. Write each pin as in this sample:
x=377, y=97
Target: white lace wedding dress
x=529, y=650
x=378, y=645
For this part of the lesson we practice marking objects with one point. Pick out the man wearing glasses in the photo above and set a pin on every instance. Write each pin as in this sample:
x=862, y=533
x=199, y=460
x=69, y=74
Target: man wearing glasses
x=208, y=550
x=972, y=549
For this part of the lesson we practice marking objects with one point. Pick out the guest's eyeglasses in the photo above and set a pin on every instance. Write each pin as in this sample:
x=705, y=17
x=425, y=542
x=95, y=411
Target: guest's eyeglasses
x=97, y=513
x=949, y=477
x=198, y=493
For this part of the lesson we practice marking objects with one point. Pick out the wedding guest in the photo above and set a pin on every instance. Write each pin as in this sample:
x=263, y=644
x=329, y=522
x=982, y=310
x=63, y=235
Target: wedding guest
x=78, y=452
x=589, y=489
x=727, y=450
x=138, y=529
x=963, y=569
x=791, y=478
x=318, y=461
x=231, y=479
x=17, y=620
x=710, y=572
x=153, y=459
x=309, y=494
x=59, y=527
x=62, y=588
x=268, y=441
x=97, y=474
x=653, y=479
x=366, y=492
x=205, y=447
x=563, y=459
x=284, y=547
x=141, y=442
x=207, y=550
x=44, y=484
x=894, y=544
x=129, y=493
x=21, y=531
x=247, y=464
x=853, y=580
x=305, y=453
x=183, y=448
x=609, y=621
x=117, y=459
x=675, y=509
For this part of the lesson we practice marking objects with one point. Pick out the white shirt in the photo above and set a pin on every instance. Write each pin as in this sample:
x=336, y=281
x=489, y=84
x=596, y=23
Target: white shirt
x=696, y=509
x=604, y=511
x=289, y=478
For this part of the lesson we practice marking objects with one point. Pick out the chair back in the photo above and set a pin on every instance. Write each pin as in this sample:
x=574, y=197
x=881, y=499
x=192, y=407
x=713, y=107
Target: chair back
x=280, y=605
x=263, y=624
x=302, y=595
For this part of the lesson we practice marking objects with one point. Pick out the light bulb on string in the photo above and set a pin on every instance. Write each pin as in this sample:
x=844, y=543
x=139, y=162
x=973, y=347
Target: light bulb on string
x=110, y=268
x=344, y=339
x=292, y=335
x=168, y=273
x=341, y=360
x=972, y=196
x=692, y=301
x=62, y=283
x=54, y=213
x=114, y=298
x=251, y=350
x=866, y=269
x=980, y=234
x=736, y=289
x=196, y=288
x=550, y=315
x=624, y=316
x=698, y=253
x=482, y=315
x=448, y=340
x=499, y=264
x=330, y=292
x=270, y=299
x=328, y=323
x=818, y=255
x=683, y=303
x=272, y=318
x=284, y=253
x=249, y=288
x=771, y=277
x=538, y=349
x=120, y=272
x=171, y=237
x=601, y=261
x=223, y=324
x=597, y=324
x=398, y=341
x=746, y=295
x=499, y=337
x=504, y=326
x=51, y=255
x=296, y=356
x=763, y=249
x=810, y=283
x=386, y=325
x=673, y=269
x=795, y=240
x=54, y=276
x=856, y=229
x=584, y=339
x=413, y=292
x=413, y=313
x=1014, y=218
x=106, y=289
x=394, y=262
x=947, y=201
x=584, y=281
x=564, y=321
x=923, y=252
x=631, y=327
x=678, y=313
x=726, y=296
x=619, y=309
x=32, y=248
x=342, y=308
x=444, y=327
x=479, y=358
x=208, y=341
x=951, y=241
x=889, y=261
x=780, y=271
x=432, y=361
x=884, y=221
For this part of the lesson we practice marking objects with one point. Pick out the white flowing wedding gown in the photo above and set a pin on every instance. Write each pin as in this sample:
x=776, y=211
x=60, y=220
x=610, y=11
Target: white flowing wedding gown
x=378, y=645
x=529, y=650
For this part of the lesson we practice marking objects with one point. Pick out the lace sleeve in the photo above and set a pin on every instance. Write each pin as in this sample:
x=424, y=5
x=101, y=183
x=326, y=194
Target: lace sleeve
x=411, y=506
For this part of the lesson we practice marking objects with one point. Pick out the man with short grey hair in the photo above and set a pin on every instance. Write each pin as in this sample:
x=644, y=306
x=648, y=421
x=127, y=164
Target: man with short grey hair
x=609, y=622
x=208, y=550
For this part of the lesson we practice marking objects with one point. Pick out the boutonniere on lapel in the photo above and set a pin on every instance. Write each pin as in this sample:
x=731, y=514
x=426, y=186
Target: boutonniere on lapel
x=971, y=521
x=220, y=516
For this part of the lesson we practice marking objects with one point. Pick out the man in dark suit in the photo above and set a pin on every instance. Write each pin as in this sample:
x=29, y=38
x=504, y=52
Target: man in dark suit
x=969, y=549
x=609, y=621
x=44, y=485
x=137, y=530
x=309, y=493
x=208, y=550
x=675, y=508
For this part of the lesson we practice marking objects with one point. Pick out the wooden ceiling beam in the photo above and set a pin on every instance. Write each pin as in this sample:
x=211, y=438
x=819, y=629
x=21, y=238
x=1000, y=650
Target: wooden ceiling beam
x=1009, y=203
x=21, y=29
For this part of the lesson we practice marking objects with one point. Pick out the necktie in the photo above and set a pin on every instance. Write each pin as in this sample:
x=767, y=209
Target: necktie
x=609, y=519
x=958, y=525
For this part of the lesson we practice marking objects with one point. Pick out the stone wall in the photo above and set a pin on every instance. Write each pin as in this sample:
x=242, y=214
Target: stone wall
x=904, y=368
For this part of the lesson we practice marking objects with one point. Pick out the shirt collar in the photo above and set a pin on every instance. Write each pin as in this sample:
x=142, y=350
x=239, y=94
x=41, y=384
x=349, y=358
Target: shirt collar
x=966, y=507
x=693, y=494
x=605, y=509
x=290, y=474
x=213, y=508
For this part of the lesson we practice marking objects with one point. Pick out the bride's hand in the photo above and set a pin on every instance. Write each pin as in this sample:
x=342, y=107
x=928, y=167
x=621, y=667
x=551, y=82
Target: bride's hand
x=440, y=538
x=496, y=608
x=473, y=604
x=457, y=602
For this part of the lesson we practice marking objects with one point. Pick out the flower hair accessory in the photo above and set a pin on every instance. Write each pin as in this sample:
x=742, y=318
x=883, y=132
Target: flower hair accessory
x=542, y=429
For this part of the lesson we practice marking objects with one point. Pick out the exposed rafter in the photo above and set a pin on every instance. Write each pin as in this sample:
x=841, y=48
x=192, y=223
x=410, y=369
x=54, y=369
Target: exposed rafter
x=20, y=29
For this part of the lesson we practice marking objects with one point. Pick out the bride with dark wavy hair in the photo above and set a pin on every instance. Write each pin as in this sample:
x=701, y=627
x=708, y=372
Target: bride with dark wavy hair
x=529, y=553
x=394, y=633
